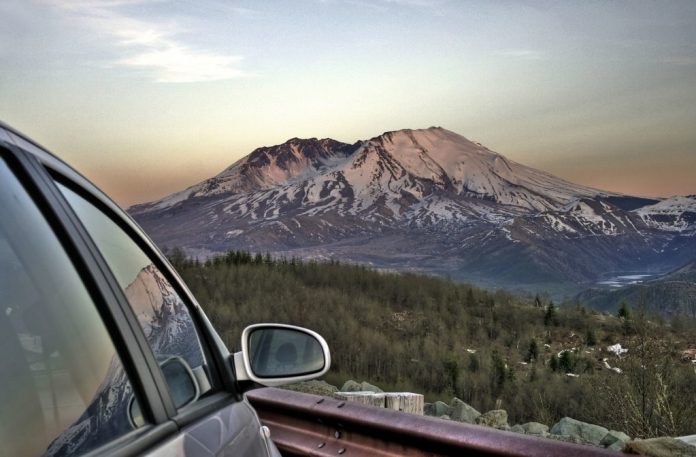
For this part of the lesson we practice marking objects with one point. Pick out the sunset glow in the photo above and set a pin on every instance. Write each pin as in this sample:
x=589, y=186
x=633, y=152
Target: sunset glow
x=147, y=97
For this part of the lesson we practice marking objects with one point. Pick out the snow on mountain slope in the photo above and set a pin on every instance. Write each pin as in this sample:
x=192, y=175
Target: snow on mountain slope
x=265, y=167
x=449, y=159
x=675, y=214
x=395, y=176
x=428, y=199
x=593, y=216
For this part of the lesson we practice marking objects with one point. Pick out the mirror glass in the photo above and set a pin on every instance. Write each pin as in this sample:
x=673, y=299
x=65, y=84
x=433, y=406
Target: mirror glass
x=182, y=384
x=136, y=414
x=279, y=352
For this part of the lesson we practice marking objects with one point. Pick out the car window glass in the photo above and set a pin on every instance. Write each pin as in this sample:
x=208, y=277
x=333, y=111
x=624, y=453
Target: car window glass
x=63, y=389
x=161, y=312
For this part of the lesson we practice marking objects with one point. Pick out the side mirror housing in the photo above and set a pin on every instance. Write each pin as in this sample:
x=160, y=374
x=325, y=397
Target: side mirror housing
x=278, y=354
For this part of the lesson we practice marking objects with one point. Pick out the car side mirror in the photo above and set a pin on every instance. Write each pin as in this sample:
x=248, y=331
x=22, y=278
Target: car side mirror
x=182, y=385
x=277, y=354
x=181, y=381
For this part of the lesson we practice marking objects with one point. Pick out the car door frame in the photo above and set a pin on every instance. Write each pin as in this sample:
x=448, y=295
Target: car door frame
x=37, y=169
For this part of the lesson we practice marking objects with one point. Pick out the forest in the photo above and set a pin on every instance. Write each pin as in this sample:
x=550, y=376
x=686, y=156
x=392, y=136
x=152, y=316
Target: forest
x=538, y=360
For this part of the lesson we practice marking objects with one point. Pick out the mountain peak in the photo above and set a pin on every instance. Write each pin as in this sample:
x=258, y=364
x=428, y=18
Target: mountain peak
x=407, y=163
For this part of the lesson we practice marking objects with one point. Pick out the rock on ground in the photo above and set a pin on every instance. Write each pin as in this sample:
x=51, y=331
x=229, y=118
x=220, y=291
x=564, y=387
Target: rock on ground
x=566, y=438
x=660, y=447
x=517, y=428
x=615, y=440
x=535, y=428
x=351, y=386
x=496, y=418
x=367, y=387
x=461, y=412
x=437, y=409
x=315, y=387
x=587, y=433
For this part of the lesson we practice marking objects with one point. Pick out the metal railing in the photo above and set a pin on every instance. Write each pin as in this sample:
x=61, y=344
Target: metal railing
x=310, y=425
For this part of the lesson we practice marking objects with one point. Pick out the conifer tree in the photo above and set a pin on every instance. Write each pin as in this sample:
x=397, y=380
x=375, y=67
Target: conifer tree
x=550, y=316
x=624, y=311
x=532, y=351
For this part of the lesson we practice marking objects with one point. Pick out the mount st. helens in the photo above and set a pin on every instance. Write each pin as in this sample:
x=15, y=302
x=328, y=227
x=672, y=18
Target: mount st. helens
x=429, y=200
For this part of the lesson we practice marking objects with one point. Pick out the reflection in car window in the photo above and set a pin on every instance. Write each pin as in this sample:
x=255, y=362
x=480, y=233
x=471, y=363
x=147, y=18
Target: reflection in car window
x=161, y=312
x=63, y=389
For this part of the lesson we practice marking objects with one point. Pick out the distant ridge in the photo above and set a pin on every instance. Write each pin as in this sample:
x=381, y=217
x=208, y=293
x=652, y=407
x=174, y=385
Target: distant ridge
x=670, y=294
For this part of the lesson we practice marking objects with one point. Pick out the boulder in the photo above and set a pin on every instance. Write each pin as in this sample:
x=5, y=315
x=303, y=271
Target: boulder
x=565, y=438
x=437, y=409
x=445, y=417
x=461, y=412
x=615, y=440
x=441, y=408
x=660, y=447
x=496, y=418
x=517, y=429
x=314, y=386
x=351, y=386
x=367, y=387
x=587, y=433
x=429, y=409
x=535, y=428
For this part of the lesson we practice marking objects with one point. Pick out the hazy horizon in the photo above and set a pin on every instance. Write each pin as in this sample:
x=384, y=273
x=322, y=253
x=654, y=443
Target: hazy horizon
x=147, y=97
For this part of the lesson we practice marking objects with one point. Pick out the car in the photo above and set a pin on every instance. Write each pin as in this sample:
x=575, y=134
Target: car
x=103, y=349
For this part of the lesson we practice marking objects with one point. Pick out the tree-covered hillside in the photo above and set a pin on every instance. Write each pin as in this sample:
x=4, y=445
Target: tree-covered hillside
x=411, y=332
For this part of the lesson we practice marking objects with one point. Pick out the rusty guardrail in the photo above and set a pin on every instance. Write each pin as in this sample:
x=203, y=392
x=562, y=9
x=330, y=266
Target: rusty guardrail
x=310, y=425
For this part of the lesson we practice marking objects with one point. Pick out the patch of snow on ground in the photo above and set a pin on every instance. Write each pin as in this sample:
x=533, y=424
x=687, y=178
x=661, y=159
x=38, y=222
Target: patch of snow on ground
x=617, y=349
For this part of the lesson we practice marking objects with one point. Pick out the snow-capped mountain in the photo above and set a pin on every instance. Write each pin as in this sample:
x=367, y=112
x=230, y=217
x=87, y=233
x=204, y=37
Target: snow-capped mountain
x=676, y=214
x=427, y=199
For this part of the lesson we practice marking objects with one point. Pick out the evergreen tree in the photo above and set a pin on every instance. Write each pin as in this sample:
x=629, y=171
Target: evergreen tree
x=532, y=351
x=473, y=363
x=590, y=338
x=537, y=301
x=499, y=373
x=624, y=311
x=565, y=362
x=553, y=363
x=550, y=316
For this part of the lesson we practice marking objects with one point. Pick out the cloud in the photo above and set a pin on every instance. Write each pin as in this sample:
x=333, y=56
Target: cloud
x=146, y=44
x=524, y=54
x=384, y=5
x=681, y=61
x=179, y=64
x=426, y=3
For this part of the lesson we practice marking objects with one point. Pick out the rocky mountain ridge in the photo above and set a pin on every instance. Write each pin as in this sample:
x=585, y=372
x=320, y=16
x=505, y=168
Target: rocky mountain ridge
x=429, y=200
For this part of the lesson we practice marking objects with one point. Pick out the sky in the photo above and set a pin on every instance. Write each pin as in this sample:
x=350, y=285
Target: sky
x=147, y=97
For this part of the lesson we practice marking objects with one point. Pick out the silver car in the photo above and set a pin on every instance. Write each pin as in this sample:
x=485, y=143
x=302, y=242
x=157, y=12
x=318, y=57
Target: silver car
x=103, y=349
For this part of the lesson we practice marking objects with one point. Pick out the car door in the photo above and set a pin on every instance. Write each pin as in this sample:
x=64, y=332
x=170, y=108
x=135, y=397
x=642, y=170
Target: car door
x=164, y=322
x=215, y=423
x=70, y=364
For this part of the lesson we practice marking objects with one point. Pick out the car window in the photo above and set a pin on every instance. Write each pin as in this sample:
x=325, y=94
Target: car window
x=161, y=312
x=63, y=389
